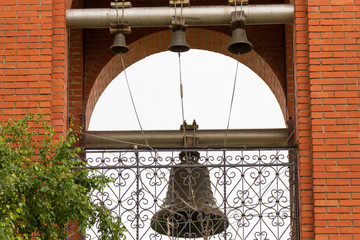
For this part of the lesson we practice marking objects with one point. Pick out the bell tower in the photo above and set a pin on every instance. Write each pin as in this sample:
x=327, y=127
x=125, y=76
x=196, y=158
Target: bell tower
x=55, y=59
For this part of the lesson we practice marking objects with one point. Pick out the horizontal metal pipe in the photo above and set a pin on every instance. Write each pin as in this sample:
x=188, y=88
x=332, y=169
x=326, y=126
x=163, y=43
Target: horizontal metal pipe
x=194, y=16
x=175, y=138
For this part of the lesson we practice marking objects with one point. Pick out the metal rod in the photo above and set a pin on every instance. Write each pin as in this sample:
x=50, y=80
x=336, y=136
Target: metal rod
x=175, y=138
x=194, y=16
x=183, y=166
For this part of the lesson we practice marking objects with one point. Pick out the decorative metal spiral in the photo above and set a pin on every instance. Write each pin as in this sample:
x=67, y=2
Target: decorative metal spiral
x=254, y=188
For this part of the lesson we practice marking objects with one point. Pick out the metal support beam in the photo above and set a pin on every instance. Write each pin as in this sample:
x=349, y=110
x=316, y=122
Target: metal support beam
x=195, y=16
x=175, y=138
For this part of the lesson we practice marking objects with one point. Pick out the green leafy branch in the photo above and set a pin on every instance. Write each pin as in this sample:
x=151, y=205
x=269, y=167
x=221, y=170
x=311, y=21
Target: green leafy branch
x=40, y=194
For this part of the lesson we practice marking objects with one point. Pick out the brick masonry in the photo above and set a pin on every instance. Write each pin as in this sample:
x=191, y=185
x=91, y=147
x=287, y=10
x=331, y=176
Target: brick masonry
x=33, y=60
x=312, y=68
x=333, y=81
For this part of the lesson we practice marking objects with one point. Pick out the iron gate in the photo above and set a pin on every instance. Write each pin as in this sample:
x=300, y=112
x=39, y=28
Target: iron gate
x=254, y=189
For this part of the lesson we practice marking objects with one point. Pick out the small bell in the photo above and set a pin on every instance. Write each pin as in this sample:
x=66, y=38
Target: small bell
x=178, y=43
x=119, y=45
x=239, y=42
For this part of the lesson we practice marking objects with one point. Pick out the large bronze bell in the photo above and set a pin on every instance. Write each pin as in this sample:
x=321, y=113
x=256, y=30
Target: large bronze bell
x=189, y=209
x=239, y=43
x=178, y=43
x=119, y=45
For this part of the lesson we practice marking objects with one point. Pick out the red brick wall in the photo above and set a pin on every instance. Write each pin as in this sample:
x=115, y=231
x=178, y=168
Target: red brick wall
x=33, y=60
x=334, y=57
x=326, y=67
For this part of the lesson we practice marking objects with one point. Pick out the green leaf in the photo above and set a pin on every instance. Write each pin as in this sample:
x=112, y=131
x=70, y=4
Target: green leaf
x=40, y=193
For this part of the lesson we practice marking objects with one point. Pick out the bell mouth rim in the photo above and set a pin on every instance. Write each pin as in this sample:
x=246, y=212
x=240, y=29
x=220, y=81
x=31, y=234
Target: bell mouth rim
x=235, y=50
x=220, y=223
x=125, y=50
x=185, y=49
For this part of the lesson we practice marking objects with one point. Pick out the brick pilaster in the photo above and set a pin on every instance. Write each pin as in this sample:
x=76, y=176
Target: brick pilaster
x=334, y=83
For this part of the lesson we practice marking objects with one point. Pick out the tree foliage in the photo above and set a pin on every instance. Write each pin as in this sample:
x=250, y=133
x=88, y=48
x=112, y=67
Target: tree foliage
x=40, y=192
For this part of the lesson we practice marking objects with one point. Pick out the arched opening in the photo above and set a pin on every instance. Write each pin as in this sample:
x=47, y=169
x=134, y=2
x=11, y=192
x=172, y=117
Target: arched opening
x=100, y=75
x=208, y=81
x=259, y=179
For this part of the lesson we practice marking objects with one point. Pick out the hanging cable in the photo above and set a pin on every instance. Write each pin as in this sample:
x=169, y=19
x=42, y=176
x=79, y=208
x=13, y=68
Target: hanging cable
x=182, y=101
x=231, y=103
x=133, y=103
x=180, y=79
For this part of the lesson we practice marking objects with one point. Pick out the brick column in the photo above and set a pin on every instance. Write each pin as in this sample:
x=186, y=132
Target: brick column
x=33, y=68
x=76, y=98
x=334, y=53
x=303, y=121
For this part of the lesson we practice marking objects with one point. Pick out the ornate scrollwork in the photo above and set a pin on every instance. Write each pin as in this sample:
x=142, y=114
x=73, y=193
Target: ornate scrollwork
x=253, y=188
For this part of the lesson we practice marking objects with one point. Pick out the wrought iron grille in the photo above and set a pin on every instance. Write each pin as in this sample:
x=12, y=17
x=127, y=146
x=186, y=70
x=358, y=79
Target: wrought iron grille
x=253, y=190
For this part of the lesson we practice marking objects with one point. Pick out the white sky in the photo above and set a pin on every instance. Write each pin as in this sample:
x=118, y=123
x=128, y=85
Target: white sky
x=208, y=80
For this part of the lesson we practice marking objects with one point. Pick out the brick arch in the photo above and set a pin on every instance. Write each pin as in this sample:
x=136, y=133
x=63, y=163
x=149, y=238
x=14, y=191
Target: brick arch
x=198, y=38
